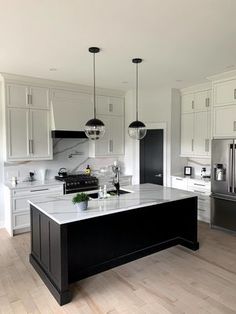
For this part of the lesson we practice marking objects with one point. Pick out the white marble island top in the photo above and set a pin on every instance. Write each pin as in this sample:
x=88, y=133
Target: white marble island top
x=62, y=210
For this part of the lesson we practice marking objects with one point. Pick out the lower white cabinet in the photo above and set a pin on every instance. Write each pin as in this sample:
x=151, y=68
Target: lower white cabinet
x=17, y=213
x=201, y=189
x=112, y=143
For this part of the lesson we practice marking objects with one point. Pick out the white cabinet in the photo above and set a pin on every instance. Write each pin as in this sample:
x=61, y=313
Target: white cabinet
x=187, y=103
x=40, y=144
x=224, y=121
x=112, y=144
x=201, y=143
x=201, y=189
x=17, y=211
x=110, y=105
x=187, y=134
x=196, y=123
x=225, y=92
x=17, y=95
x=17, y=133
x=20, y=96
x=27, y=123
x=202, y=100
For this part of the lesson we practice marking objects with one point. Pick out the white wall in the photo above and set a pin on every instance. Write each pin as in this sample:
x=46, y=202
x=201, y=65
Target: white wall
x=156, y=106
x=1, y=167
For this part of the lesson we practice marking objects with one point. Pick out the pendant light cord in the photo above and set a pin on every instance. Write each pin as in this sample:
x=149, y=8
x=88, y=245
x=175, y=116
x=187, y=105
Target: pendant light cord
x=94, y=87
x=136, y=91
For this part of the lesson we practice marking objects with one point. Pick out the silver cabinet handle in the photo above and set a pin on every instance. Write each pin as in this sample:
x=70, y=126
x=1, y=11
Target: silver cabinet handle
x=192, y=104
x=199, y=184
x=234, y=126
x=110, y=107
x=178, y=179
x=39, y=190
x=207, y=142
x=32, y=146
x=207, y=102
x=197, y=191
x=111, y=146
x=235, y=93
x=29, y=99
x=192, y=145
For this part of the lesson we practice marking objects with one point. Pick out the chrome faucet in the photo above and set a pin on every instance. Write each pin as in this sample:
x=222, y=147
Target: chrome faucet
x=116, y=179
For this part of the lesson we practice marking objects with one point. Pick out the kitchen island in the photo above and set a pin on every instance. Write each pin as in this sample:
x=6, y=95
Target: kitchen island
x=68, y=245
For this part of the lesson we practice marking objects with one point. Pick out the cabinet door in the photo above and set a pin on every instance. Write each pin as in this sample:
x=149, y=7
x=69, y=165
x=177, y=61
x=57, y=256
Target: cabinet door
x=187, y=103
x=116, y=143
x=202, y=101
x=17, y=96
x=39, y=97
x=17, y=134
x=224, y=121
x=225, y=93
x=40, y=134
x=187, y=121
x=201, y=133
x=110, y=105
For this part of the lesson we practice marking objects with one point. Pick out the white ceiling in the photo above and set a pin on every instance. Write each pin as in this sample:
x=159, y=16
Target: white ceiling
x=178, y=39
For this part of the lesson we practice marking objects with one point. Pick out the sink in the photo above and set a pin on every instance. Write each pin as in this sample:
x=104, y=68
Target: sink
x=111, y=193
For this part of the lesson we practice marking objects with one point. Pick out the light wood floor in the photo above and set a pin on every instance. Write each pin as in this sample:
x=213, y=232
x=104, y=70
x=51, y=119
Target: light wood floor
x=172, y=281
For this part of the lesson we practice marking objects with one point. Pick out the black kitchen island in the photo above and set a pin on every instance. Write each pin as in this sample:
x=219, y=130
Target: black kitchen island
x=67, y=245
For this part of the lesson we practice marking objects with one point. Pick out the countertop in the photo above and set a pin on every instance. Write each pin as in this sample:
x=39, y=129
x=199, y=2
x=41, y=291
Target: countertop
x=62, y=210
x=28, y=184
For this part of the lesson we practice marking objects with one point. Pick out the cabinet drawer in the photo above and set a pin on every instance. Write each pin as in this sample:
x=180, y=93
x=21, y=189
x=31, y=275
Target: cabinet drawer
x=198, y=185
x=21, y=220
x=199, y=191
x=38, y=191
x=179, y=183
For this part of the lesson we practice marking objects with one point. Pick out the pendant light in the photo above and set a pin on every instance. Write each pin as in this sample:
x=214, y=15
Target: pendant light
x=94, y=128
x=137, y=129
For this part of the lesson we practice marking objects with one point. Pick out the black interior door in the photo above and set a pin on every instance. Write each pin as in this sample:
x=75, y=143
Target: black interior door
x=151, y=157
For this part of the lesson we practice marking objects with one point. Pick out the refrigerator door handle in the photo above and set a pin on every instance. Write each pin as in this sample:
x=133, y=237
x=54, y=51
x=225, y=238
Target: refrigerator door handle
x=233, y=168
x=229, y=174
x=223, y=198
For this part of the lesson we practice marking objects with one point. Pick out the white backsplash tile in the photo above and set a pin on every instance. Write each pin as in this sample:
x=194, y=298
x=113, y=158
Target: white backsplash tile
x=73, y=154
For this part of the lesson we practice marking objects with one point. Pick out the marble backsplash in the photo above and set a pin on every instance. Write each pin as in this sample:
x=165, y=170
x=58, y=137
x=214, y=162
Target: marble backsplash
x=198, y=164
x=73, y=154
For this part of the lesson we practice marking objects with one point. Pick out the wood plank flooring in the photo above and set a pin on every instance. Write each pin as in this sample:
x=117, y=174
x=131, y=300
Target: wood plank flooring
x=172, y=281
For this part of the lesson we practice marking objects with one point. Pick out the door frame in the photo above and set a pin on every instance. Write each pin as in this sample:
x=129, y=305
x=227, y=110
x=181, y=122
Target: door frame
x=153, y=126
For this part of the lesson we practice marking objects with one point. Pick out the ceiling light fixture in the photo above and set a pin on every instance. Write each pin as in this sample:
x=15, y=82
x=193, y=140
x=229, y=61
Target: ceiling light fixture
x=137, y=129
x=94, y=128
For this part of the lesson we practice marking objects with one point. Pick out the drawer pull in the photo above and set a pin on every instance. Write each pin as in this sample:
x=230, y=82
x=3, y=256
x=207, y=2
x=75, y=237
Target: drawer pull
x=234, y=126
x=197, y=191
x=235, y=93
x=178, y=179
x=39, y=190
x=199, y=184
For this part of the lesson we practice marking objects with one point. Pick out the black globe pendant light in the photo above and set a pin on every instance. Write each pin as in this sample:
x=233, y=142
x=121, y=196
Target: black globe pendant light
x=94, y=128
x=137, y=129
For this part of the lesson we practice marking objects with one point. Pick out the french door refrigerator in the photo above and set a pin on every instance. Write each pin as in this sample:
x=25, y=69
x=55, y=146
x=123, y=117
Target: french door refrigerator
x=223, y=184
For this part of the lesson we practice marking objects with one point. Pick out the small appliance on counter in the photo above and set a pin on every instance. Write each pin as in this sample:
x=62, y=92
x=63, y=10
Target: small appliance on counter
x=188, y=171
x=62, y=173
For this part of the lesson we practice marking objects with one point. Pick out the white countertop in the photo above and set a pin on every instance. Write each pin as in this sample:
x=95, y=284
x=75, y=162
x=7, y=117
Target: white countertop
x=62, y=210
x=29, y=184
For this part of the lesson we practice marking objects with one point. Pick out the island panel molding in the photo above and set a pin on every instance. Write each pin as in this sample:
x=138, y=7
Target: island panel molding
x=67, y=252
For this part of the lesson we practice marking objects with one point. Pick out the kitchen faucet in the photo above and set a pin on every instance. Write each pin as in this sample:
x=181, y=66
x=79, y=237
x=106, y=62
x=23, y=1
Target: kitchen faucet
x=116, y=179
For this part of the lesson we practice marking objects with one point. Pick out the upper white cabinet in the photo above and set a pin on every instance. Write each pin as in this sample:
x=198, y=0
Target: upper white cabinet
x=196, y=123
x=224, y=92
x=78, y=106
x=27, y=122
x=187, y=103
x=21, y=96
x=113, y=106
x=112, y=143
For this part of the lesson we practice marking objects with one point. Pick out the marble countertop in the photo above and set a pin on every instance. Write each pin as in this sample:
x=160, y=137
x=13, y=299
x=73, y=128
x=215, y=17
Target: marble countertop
x=62, y=210
x=36, y=183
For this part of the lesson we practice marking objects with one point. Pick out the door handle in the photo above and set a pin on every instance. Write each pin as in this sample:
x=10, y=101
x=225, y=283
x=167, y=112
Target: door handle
x=159, y=175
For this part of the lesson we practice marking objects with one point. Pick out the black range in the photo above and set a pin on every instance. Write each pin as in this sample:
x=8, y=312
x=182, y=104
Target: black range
x=78, y=183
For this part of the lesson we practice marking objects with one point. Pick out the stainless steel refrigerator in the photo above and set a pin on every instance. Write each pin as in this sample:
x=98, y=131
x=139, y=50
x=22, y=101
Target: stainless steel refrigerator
x=223, y=184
